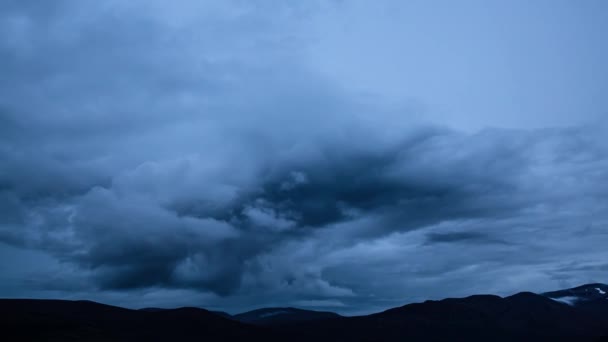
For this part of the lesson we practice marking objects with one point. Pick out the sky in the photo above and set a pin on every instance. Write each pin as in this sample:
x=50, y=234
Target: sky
x=349, y=156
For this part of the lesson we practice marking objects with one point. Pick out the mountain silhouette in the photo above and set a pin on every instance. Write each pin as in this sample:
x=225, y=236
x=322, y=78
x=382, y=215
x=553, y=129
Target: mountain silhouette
x=576, y=314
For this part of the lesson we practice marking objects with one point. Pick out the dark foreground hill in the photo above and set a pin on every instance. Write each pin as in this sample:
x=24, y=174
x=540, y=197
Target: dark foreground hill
x=522, y=317
x=58, y=320
x=577, y=314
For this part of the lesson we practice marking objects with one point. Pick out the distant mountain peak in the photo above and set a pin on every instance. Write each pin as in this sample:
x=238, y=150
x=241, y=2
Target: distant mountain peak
x=282, y=315
x=580, y=295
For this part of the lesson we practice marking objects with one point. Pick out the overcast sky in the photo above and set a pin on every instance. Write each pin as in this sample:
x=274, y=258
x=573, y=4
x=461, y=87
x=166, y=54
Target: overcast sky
x=337, y=155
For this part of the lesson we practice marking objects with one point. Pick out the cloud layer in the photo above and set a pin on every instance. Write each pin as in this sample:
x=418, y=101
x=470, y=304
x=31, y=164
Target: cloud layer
x=191, y=155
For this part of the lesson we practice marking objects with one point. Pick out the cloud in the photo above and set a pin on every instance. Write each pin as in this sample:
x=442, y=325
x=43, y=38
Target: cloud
x=457, y=237
x=327, y=303
x=188, y=152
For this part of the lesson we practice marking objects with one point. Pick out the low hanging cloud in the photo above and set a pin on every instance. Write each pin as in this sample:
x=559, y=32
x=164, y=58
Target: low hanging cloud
x=142, y=155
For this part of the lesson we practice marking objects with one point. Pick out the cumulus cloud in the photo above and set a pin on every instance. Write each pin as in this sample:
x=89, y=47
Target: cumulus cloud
x=187, y=152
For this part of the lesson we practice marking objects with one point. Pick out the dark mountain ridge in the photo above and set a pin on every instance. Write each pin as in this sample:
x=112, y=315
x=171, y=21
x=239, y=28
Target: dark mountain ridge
x=61, y=320
x=524, y=316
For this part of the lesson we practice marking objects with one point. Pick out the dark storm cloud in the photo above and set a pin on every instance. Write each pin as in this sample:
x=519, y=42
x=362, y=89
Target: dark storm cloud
x=410, y=181
x=457, y=237
x=131, y=240
x=185, y=153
